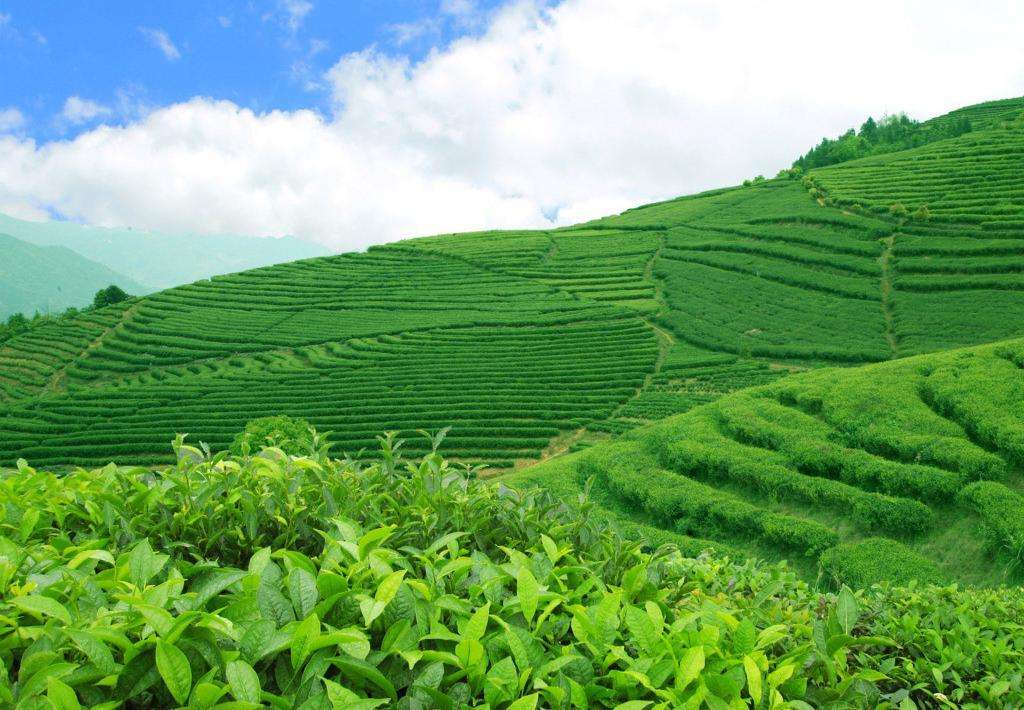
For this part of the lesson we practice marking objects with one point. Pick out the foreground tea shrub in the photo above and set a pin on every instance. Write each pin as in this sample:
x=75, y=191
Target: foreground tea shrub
x=292, y=435
x=309, y=582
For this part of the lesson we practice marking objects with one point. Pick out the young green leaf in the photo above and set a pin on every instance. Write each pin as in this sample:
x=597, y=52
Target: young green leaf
x=476, y=625
x=40, y=606
x=175, y=670
x=528, y=592
x=388, y=587
x=302, y=639
x=846, y=609
x=691, y=665
x=527, y=702
x=61, y=695
x=245, y=684
x=753, y=673
x=303, y=592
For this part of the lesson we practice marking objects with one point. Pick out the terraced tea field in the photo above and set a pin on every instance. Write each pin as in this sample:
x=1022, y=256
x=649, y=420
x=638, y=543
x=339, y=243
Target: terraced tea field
x=533, y=343
x=901, y=470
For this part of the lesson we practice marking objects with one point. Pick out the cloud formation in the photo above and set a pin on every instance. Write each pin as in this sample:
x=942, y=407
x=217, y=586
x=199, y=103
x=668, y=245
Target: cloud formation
x=295, y=12
x=547, y=115
x=77, y=110
x=161, y=40
x=11, y=119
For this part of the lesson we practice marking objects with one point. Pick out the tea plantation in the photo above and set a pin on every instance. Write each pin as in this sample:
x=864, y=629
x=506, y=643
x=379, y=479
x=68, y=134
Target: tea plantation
x=905, y=470
x=810, y=387
x=532, y=343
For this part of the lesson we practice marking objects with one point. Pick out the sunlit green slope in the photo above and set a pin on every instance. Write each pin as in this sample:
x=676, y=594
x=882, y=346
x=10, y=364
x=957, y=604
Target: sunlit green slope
x=900, y=470
x=532, y=343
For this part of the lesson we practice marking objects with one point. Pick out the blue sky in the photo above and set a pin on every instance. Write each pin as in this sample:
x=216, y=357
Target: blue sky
x=126, y=56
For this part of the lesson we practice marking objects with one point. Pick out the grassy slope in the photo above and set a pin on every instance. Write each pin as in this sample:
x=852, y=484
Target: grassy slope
x=50, y=279
x=529, y=343
x=885, y=450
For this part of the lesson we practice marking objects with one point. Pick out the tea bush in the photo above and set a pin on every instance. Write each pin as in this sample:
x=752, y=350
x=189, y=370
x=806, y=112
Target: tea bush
x=292, y=435
x=1002, y=511
x=878, y=559
x=408, y=584
x=789, y=469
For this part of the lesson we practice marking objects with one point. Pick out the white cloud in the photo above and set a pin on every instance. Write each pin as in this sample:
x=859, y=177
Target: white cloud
x=161, y=40
x=5, y=18
x=576, y=110
x=11, y=119
x=77, y=110
x=224, y=21
x=406, y=32
x=295, y=12
x=458, y=7
x=465, y=12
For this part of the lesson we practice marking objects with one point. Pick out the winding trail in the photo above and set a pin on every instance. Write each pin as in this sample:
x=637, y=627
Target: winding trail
x=56, y=381
x=886, y=283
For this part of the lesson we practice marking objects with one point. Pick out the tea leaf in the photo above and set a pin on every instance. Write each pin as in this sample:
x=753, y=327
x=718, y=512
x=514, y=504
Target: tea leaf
x=477, y=623
x=389, y=587
x=355, y=668
x=753, y=673
x=527, y=702
x=303, y=592
x=847, y=610
x=61, y=695
x=40, y=606
x=245, y=684
x=528, y=592
x=691, y=665
x=302, y=639
x=175, y=670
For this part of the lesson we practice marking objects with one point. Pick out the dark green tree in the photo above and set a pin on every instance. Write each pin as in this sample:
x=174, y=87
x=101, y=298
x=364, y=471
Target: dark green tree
x=869, y=130
x=109, y=295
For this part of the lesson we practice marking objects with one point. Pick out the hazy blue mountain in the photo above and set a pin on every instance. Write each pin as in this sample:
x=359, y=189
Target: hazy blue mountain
x=162, y=260
x=49, y=279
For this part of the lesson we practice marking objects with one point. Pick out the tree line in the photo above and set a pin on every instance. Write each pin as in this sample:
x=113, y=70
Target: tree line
x=887, y=135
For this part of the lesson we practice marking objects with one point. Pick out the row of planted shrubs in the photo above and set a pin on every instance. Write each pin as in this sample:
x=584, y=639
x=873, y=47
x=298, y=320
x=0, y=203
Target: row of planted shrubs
x=721, y=459
x=695, y=508
x=764, y=422
x=1002, y=511
x=301, y=581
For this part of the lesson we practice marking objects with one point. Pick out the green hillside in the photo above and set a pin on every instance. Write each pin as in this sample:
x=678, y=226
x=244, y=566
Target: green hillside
x=532, y=343
x=157, y=259
x=892, y=133
x=898, y=470
x=51, y=279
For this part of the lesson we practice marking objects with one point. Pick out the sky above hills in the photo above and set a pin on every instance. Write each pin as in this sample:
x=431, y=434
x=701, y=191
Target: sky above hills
x=358, y=122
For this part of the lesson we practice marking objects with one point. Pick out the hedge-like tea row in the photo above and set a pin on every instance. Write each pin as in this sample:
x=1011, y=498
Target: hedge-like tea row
x=1002, y=510
x=764, y=422
x=690, y=506
x=507, y=391
x=975, y=395
x=878, y=559
x=717, y=460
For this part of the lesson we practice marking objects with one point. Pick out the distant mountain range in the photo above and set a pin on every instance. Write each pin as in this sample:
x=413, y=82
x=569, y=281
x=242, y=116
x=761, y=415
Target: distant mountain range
x=49, y=278
x=52, y=278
